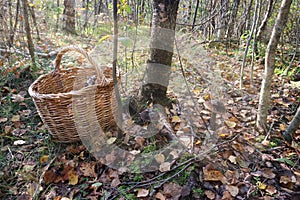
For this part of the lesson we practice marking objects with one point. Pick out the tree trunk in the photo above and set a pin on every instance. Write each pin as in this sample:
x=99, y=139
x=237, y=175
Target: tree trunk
x=31, y=9
x=28, y=32
x=254, y=23
x=12, y=33
x=294, y=125
x=157, y=73
x=264, y=98
x=232, y=21
x=264, y=23
x=195, y=15
x=69, y=16
x=57, y=15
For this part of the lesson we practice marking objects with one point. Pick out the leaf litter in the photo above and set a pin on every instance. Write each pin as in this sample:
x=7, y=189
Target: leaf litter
x=230, y=161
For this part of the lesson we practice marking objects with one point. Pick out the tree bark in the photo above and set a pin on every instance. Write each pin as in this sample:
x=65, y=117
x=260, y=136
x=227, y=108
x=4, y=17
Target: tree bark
x=264, y=23
x=254, y=23
x=158, y=68
x=13, y=31
x=28, y=32
x=294, y=125
x=69, y=16
x=31, y=9
x=264, y=98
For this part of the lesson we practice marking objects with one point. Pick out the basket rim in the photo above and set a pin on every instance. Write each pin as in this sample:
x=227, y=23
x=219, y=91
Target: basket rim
x=33, y=93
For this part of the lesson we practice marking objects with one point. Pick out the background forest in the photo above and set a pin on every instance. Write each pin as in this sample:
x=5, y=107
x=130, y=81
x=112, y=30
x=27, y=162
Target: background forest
x=234, y=77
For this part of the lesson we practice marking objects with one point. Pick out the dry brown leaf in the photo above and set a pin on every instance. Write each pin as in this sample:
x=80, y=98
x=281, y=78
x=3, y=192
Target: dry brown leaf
x=271, y=190
x=160, y=158
x=213, y=175
x=232, y=159
x=142, y=193
x=227, y=196
x=174, y=153
x=173, y=190
x=140, y=140
x=115, y=182
x=209, y=194
x=233, y=190
x=230, y=124
x=160, y=196
x=268, y=173
x=164, y=167
x=49, y=177
x=88, y=169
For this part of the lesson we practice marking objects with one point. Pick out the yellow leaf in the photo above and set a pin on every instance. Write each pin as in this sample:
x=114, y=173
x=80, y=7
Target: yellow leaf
x=44, y=159
x=31, y=4
x=73, y=177
x=15, y=118
x=282, y=127
x=206, y=97
x=175, y=119
x=261, y=185
x=198, y=142
x=103, y=38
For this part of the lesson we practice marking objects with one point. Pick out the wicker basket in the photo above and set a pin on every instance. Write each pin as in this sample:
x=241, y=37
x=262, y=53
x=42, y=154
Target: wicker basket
x=55, y=92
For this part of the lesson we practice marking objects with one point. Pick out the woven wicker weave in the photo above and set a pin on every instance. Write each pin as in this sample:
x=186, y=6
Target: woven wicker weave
x=55, y=93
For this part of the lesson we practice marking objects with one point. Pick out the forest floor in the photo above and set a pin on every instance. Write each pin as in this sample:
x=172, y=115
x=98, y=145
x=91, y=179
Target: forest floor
x=227, y=160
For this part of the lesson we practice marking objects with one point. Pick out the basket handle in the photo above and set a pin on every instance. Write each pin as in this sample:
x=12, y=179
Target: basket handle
x=100, y=74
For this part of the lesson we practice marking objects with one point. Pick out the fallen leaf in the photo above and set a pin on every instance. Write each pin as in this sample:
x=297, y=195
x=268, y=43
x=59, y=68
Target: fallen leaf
x=271, y=190
x=111, y=140
x=232, y=159
x=213, y=175
x=140, y=140
x=175, y=119
x=268, y=173
x=15, y=118
x=226, y=196
x=88, y=169
x=209, y=194
x=142, y=193
x=115, y=182
x=261, y=185
x=160, y=158
x=174, y=153
x=73, y=177
x=172, y=190
x=19, y=142
x=160, y=196
x=233, y=190
x=164, y=167
x=49, y=177
x=3, y=120
x=230, y=124
x=44, y=159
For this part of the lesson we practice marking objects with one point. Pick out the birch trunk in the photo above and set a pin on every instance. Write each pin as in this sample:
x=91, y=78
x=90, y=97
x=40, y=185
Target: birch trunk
x=265, y=95
x=157, y=73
